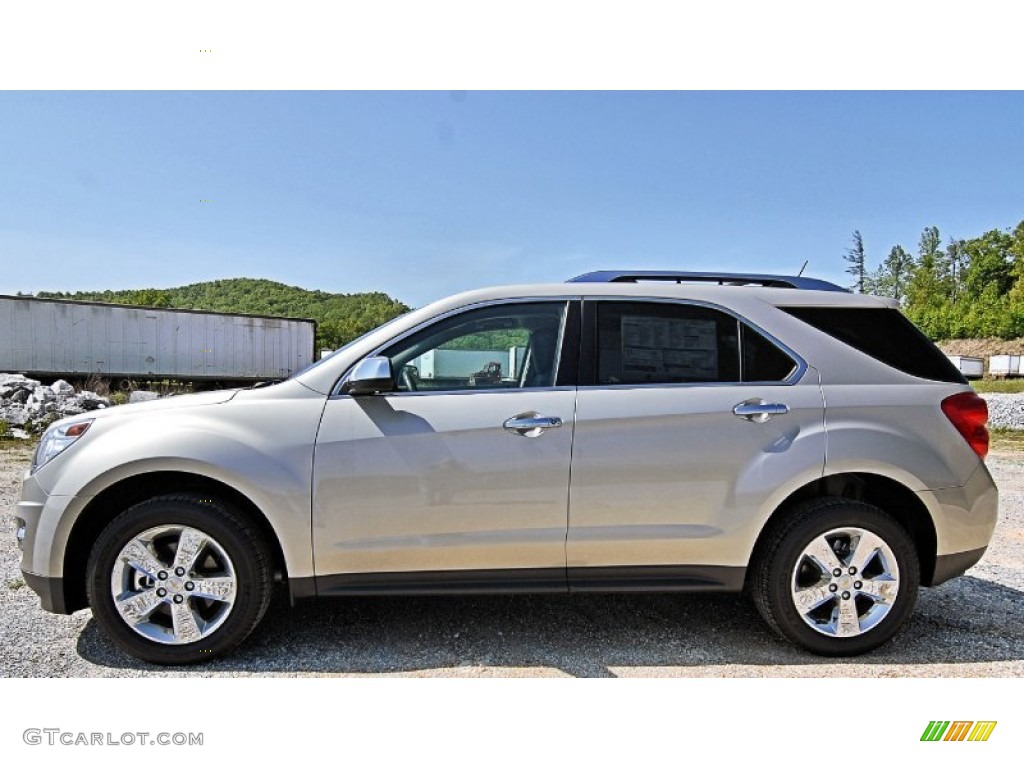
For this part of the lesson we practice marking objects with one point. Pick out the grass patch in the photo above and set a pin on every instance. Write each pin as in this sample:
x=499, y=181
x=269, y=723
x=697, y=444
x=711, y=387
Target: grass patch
x=15, y=583
x=1002, y=386
x=12, y=444
x=1003, y=439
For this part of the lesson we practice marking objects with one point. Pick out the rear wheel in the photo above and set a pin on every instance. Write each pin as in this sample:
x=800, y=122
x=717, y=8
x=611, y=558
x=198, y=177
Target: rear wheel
x=179, y=579
x=837, y=577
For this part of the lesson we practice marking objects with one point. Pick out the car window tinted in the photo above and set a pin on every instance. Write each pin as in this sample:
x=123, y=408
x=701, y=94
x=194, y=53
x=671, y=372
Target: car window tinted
x=661, y=343
x=655, y=343
x=884, y=334
x=499, y=347
x=762, y=359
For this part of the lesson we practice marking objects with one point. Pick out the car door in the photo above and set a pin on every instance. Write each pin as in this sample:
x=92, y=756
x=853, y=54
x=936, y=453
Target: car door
x=689, y=422
x=459, y=478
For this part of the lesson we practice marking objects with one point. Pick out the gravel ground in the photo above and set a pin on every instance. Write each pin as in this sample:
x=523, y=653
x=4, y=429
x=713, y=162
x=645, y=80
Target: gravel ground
x=970, y=627
x=1005, y=410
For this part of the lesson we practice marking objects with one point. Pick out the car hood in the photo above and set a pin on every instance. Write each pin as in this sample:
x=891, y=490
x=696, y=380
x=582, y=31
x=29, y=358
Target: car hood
x=151, y=406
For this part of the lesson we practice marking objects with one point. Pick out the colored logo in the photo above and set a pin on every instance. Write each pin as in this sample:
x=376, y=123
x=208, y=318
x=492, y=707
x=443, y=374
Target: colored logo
x=958, y=730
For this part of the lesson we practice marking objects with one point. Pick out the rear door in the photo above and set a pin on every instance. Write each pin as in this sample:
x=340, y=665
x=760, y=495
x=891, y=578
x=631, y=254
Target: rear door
x=688, y=423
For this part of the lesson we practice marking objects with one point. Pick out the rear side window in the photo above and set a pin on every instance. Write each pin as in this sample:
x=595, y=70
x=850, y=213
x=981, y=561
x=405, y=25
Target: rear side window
x=884, y=334
x=655, y=343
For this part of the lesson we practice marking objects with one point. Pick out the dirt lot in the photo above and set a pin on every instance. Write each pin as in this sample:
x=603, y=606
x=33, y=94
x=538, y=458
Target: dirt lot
x=971, y=627
x=983, y=348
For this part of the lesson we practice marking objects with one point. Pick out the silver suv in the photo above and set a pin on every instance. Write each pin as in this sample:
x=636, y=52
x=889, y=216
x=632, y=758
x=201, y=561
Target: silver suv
x=620, y=432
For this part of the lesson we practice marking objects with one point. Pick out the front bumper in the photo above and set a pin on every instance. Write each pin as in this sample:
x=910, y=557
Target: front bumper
x=43, y=520
x=50, y=591
x=30, y=514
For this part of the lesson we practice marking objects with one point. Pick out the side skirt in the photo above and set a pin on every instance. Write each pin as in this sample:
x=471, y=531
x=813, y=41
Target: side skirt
x=656, y=578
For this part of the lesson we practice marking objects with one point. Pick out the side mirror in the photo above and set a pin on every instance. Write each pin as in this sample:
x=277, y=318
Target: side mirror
x=370, y=377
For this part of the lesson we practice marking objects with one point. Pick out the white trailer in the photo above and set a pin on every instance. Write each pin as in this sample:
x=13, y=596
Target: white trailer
x=970, y=367
x=1004, y=365
x=61, y=338
x=457, y=363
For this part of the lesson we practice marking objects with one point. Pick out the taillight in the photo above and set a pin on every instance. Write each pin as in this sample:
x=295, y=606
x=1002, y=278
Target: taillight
x=969, y=413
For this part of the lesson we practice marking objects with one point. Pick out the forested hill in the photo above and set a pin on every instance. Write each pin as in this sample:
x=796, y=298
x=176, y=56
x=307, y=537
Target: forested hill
x=340, y=316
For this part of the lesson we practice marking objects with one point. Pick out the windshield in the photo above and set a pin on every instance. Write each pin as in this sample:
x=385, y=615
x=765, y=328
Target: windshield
x=339, y=350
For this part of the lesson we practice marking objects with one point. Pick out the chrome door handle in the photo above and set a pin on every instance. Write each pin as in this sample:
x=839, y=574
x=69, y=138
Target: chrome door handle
x=531, y=424
x=758, y=411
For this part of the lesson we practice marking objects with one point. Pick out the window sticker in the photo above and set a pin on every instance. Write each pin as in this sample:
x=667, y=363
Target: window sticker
x=669, y=347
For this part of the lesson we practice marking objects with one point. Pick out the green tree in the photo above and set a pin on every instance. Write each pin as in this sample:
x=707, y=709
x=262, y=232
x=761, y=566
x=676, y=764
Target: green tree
x=989, y=263
x=894, y=274
x=857, y=259
x=956, y=258
x=929, y=289
x=1015, y=297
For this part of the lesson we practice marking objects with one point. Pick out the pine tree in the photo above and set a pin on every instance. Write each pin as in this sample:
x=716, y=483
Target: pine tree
x=894, y=275
x=857, y=260
x=956, y=258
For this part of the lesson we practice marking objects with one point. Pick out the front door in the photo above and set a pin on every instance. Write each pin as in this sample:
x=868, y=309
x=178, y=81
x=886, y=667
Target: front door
x=461, y=475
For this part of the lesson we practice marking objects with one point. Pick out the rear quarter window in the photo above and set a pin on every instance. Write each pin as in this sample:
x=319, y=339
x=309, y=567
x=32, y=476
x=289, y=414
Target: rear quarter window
x=884, y=334
x=762, y=360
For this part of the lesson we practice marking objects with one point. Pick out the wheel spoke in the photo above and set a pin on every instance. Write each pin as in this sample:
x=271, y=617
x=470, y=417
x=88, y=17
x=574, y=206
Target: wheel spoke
x=221, y=588
x=868, y=545
x=186, y=629
x=138, y=556
x=137, y=607
x=811, y=598
x=159, y=597
x=190, y=545
x=844, y=601
x=820, y=552
x=847, y=621
x=882, y=589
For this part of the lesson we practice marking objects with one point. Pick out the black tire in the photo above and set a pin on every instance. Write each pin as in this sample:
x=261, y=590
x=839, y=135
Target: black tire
x=232, y=535
x=776, y=582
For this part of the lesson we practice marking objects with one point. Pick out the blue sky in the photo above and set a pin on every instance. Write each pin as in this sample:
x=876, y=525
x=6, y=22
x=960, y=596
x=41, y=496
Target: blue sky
x=422, y=194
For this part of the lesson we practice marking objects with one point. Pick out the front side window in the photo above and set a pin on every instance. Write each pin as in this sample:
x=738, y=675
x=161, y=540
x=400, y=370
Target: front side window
x=662, y=343
x=506, y=346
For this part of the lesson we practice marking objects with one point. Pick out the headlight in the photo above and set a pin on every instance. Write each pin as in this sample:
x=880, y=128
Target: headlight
x=58, y=439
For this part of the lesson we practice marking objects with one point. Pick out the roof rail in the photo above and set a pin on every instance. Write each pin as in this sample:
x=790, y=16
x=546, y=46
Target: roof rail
x=721, y=278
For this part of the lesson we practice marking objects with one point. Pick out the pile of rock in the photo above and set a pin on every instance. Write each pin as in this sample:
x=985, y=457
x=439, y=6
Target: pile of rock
x=27, y=407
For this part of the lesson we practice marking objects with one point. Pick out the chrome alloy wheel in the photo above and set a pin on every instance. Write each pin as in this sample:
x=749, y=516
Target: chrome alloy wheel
x=173, y=584
x=845, y=582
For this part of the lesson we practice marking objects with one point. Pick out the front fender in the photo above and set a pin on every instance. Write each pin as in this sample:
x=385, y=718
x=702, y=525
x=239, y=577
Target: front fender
x=262, y=451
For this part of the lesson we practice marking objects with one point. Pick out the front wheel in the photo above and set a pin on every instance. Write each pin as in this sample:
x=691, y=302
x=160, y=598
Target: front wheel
x=837, y=577
x=179, y=579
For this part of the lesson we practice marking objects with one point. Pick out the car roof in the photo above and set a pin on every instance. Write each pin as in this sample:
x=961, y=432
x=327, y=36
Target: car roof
x=728, y=295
